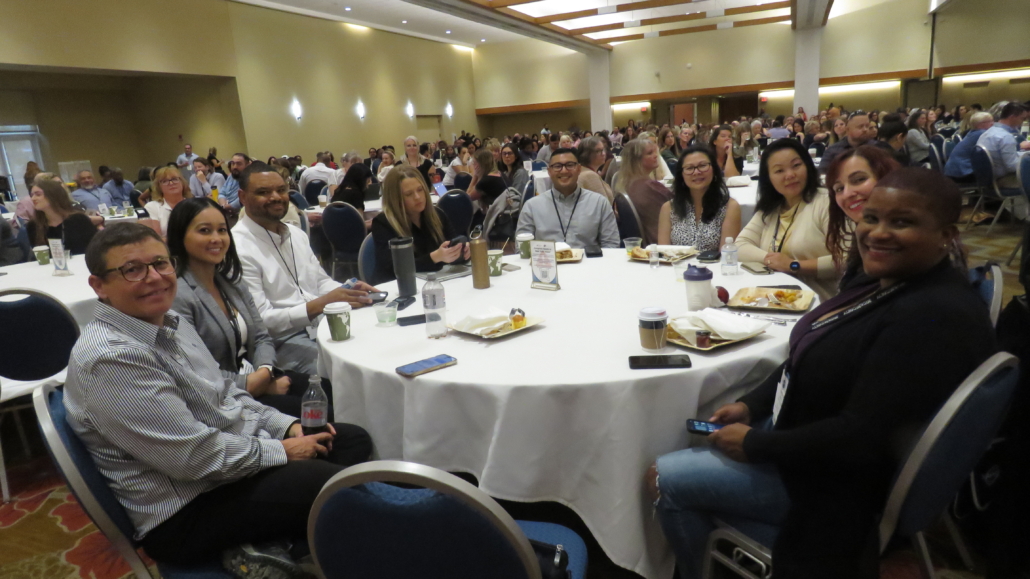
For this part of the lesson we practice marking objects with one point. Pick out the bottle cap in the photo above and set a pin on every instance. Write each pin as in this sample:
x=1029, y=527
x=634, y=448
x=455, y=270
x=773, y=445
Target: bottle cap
x=729, y=240
x=431, y=276
x=695, y=273
x=401, y=242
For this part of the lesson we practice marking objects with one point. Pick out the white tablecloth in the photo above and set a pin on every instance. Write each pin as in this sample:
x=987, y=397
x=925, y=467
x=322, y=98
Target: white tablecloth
x=750, y=169
x=553, y=413
x=73, y=291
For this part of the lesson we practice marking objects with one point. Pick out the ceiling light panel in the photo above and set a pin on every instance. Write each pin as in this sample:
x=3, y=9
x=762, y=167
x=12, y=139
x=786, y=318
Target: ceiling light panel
x=549, y=7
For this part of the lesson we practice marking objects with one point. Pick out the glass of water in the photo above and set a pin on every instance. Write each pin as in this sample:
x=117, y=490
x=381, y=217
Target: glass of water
x=654, y=258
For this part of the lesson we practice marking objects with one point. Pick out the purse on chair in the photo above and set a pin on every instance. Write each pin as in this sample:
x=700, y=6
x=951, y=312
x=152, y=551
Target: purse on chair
x=553, y=560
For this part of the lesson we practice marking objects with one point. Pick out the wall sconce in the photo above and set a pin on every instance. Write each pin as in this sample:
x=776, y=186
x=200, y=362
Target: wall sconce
x=295, y=109
x=410, y=109
x=449, y=110
x=360, y=109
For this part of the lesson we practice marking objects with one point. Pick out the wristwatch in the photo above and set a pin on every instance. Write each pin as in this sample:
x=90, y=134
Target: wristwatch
x=795, y=267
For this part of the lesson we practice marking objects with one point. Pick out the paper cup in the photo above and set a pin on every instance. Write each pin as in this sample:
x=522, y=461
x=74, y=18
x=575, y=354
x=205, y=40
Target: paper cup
x=42, y=253
x=493, y=259
x=630, y=243
x=338, y=316
x=323, y=200
x=524, y=239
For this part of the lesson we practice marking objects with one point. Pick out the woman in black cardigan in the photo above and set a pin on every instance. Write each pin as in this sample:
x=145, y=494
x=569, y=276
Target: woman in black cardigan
x=806, y=460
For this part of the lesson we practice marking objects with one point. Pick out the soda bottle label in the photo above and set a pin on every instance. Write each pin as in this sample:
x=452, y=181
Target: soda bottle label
x=432, y=302
x=312, y=416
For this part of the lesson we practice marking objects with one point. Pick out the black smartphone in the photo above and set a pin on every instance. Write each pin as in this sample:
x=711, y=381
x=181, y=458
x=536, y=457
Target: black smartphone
x=377, y=297
x=659, y=362
x=701, y=427
x=411, y=320
x=427, y=365
x=403, y=302
x=595, y=252
x=710, y=256
x=277, y=373
x=459, y=240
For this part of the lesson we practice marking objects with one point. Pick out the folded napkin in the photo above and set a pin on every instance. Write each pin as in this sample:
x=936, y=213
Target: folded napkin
x=561, y=246
x=483, y=324
x=723, y=325
x=675, y=250
x=738, y=181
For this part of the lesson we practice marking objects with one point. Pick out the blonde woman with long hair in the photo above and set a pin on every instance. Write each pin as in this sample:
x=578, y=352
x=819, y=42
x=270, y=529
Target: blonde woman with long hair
x=414, y=158
x=638, y=179
x=168, y=189
x=409, y=212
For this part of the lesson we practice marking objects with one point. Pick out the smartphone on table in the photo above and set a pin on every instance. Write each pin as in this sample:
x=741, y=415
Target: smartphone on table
x=427, y=365
x=659, y=362
x=755, y=268
x=701, y=427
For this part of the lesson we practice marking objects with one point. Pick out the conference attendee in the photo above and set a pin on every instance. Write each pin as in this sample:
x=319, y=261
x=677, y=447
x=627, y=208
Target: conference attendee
x=352, y=188
x=545, y=131
x=231, y=188
x=211, y=297
x=288, y=284
x=346, y=162
x=813, y=134
x=701, y=213
x=194, y=461
x=918, y=140
x=891, y=137
x=667, y=146
x=414, y=158
x=931, y=122
x=721, y=142
x=758, y=130
x=616, y=137
x=1000, y=142
x=513, y=173
x=88, y=194
x=320, y=171
x=54, y=217
x=838, y=129
x=31, y=170
x=640, y=165
x=409, y=212
x=143, y=181
x=119, y=189
x=857, y=135
x=527, y=148
x=801, y=114
x=439, y=154
x=216, y=163
x=814, y=448
x=851, y=179
x=593, y=158
x=567, y=212
x=185, y=160
x=169, y=189
x=684, y=140
x=460, y=164
x=386, y=164
x=960, y=163
x=744, y=142
x=778, y=131
x=11, y=251
x=487, y=184
x=544, y=154
x=788, y=230
x=204, y=179
x=797, y=129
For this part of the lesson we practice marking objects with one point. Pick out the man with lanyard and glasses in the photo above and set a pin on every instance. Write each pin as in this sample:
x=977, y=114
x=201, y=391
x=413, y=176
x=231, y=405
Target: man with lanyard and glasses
x=89, y=194
x=567, y=212
x=288, y=284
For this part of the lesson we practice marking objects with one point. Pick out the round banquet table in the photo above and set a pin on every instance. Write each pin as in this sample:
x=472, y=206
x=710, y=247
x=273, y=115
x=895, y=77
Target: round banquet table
x=73, y=291
x=551, y=413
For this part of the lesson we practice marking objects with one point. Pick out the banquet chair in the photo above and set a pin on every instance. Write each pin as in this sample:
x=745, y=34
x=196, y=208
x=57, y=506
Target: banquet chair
x=462, y=181
x=362, y=526
x=297, y=199
x=937, y=465
x=988, y=279
x=983, y=170
x=949, y=146
x=458, y=207
x=90, y=488
x=37, y=347
x=937, y=141
x=628, y=219
x=1023, y=174
x=935, y=159
x=529, y=192
x=373, y=191
x=539, y=166
x=4, y=209
x=948, y=132
x=312, y=191
x=344, y=226
x=367, y=260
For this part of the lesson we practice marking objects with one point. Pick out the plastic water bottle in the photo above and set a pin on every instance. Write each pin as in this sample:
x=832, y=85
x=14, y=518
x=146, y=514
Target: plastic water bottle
x=435, y=306
x=729, y=257
x=314, y=407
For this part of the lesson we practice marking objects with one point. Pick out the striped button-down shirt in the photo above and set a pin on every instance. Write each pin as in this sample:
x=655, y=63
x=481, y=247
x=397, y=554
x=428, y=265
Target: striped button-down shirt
x=159, y=418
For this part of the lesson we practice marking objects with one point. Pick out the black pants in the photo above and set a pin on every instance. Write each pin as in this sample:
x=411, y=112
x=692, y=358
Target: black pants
x=289, y=403
x=272, y=504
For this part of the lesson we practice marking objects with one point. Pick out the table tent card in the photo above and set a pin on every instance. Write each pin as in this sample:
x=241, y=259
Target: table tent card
x=545, y=265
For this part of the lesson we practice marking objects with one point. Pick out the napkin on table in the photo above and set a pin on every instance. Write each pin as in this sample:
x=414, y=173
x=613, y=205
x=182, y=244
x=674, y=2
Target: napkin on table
x=738, y=181
x=561, y=246
x=484, y=323
x=675, y=250
x=723, y=325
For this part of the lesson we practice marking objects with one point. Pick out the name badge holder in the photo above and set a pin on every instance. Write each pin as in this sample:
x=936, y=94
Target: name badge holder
x=59, y=257
x=544, y=265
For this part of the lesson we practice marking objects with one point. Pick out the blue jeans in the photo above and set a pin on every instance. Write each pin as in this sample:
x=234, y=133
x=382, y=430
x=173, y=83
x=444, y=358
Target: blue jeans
x=698, y=485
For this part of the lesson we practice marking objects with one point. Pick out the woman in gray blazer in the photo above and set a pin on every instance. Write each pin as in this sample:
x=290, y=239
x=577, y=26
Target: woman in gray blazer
x=222, y=310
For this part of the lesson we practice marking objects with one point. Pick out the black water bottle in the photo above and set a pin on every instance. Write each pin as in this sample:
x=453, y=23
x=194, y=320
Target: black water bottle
x=403, y=253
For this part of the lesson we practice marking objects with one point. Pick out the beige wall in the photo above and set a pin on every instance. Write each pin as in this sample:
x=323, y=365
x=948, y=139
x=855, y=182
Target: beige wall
x=531, y=122
x=889, y=37
x=982, y=31
x=88, y=125
x=986, y=94
x=327, y=66
x=528, y=72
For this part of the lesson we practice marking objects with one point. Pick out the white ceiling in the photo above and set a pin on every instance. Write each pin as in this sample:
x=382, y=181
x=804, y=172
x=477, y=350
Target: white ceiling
x=390, y=15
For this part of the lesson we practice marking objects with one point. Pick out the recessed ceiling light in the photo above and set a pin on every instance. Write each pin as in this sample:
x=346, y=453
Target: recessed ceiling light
x=347, y=8
x=448, y=32
x=482, y=40
x=404, y=21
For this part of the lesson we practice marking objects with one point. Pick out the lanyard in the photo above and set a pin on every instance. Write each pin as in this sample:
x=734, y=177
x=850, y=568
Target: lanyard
x=865, y=304
x=786, y=231
x=294, y=276
x=235, y=325
x=564, y=229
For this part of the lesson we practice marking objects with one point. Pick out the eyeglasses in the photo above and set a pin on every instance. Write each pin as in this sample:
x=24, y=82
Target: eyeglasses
x=702, y=168
x=169, y=181
x=135, y=271
x=557, y=167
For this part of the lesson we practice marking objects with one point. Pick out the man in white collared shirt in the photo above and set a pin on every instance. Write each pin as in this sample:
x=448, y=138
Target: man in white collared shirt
x=289, y=286
x=317, y=172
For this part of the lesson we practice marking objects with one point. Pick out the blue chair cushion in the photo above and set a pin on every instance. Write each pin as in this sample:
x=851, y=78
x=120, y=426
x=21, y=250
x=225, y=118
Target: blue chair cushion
x=1009, y=192
x=383, y=531
x=43, y=341
x=344, y=226
x=554, y=534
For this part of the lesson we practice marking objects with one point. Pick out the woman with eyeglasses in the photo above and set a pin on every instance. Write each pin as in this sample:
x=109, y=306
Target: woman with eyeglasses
x=169, y=190
x=701, y=213
x=55, y=218
x=788, y=231
x=212, y=297
x=512, y=171
x=593, y=160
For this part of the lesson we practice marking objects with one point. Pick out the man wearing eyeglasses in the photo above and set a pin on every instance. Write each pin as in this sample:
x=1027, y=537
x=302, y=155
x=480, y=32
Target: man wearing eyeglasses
x=567, y=212
x=199, y=465
x=858, y=134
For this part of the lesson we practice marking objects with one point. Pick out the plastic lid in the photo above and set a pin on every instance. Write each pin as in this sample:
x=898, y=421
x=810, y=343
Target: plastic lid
x=524, y=237
x=653, y=314
x=336, y=308
x=695, y=273
x=401, y=242
x=729, y=240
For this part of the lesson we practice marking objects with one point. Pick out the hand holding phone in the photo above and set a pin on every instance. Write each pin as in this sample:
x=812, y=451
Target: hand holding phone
x=377, y=297
x=701, y=427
